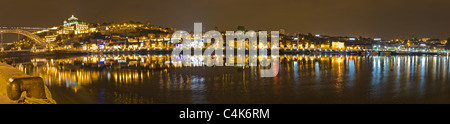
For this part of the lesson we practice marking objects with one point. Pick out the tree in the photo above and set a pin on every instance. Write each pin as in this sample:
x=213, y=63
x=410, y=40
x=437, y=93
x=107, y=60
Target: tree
x=58, y=38
x=98, y=35
x=77, y=45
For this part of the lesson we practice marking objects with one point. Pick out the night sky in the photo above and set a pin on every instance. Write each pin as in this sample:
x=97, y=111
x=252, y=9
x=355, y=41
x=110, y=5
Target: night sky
x=369, y=18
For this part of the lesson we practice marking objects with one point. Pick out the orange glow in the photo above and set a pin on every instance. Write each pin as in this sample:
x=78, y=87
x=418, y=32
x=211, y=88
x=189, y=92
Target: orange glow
x=338, y=45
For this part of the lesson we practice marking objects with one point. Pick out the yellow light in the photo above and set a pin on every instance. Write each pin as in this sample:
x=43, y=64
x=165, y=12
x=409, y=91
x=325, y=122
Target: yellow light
x=324, y=46
x=338, y=45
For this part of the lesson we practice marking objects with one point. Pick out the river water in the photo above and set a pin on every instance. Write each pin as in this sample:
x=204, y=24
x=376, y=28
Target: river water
x=155, y=79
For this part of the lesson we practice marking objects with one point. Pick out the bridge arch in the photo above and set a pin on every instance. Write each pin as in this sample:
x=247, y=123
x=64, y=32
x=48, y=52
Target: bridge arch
x=37, y=39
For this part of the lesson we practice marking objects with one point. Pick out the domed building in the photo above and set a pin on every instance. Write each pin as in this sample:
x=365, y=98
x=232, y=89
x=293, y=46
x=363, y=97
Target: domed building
x=73, y=25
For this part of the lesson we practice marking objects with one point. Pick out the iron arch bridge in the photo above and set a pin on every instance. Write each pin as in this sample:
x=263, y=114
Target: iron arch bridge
x=37, y=39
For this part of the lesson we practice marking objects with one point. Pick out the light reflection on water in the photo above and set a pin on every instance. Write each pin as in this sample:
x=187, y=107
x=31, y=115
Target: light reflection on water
x=302, y=79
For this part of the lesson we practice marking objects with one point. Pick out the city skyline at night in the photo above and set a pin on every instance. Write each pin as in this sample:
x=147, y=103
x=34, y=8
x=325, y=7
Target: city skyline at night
x=224, y=61
x=383, y=18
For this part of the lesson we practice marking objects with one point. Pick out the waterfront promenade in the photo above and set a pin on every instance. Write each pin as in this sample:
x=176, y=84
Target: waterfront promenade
x=33, y=92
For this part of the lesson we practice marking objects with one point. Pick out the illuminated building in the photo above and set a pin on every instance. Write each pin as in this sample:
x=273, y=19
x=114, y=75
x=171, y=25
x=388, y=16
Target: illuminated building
x=73, y=25
x=324, y=46
x=50, y=38
x=377, y=39
x=338, y=45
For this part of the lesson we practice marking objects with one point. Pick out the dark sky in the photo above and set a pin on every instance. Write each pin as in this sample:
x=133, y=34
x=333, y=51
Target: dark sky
x=369, y=18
